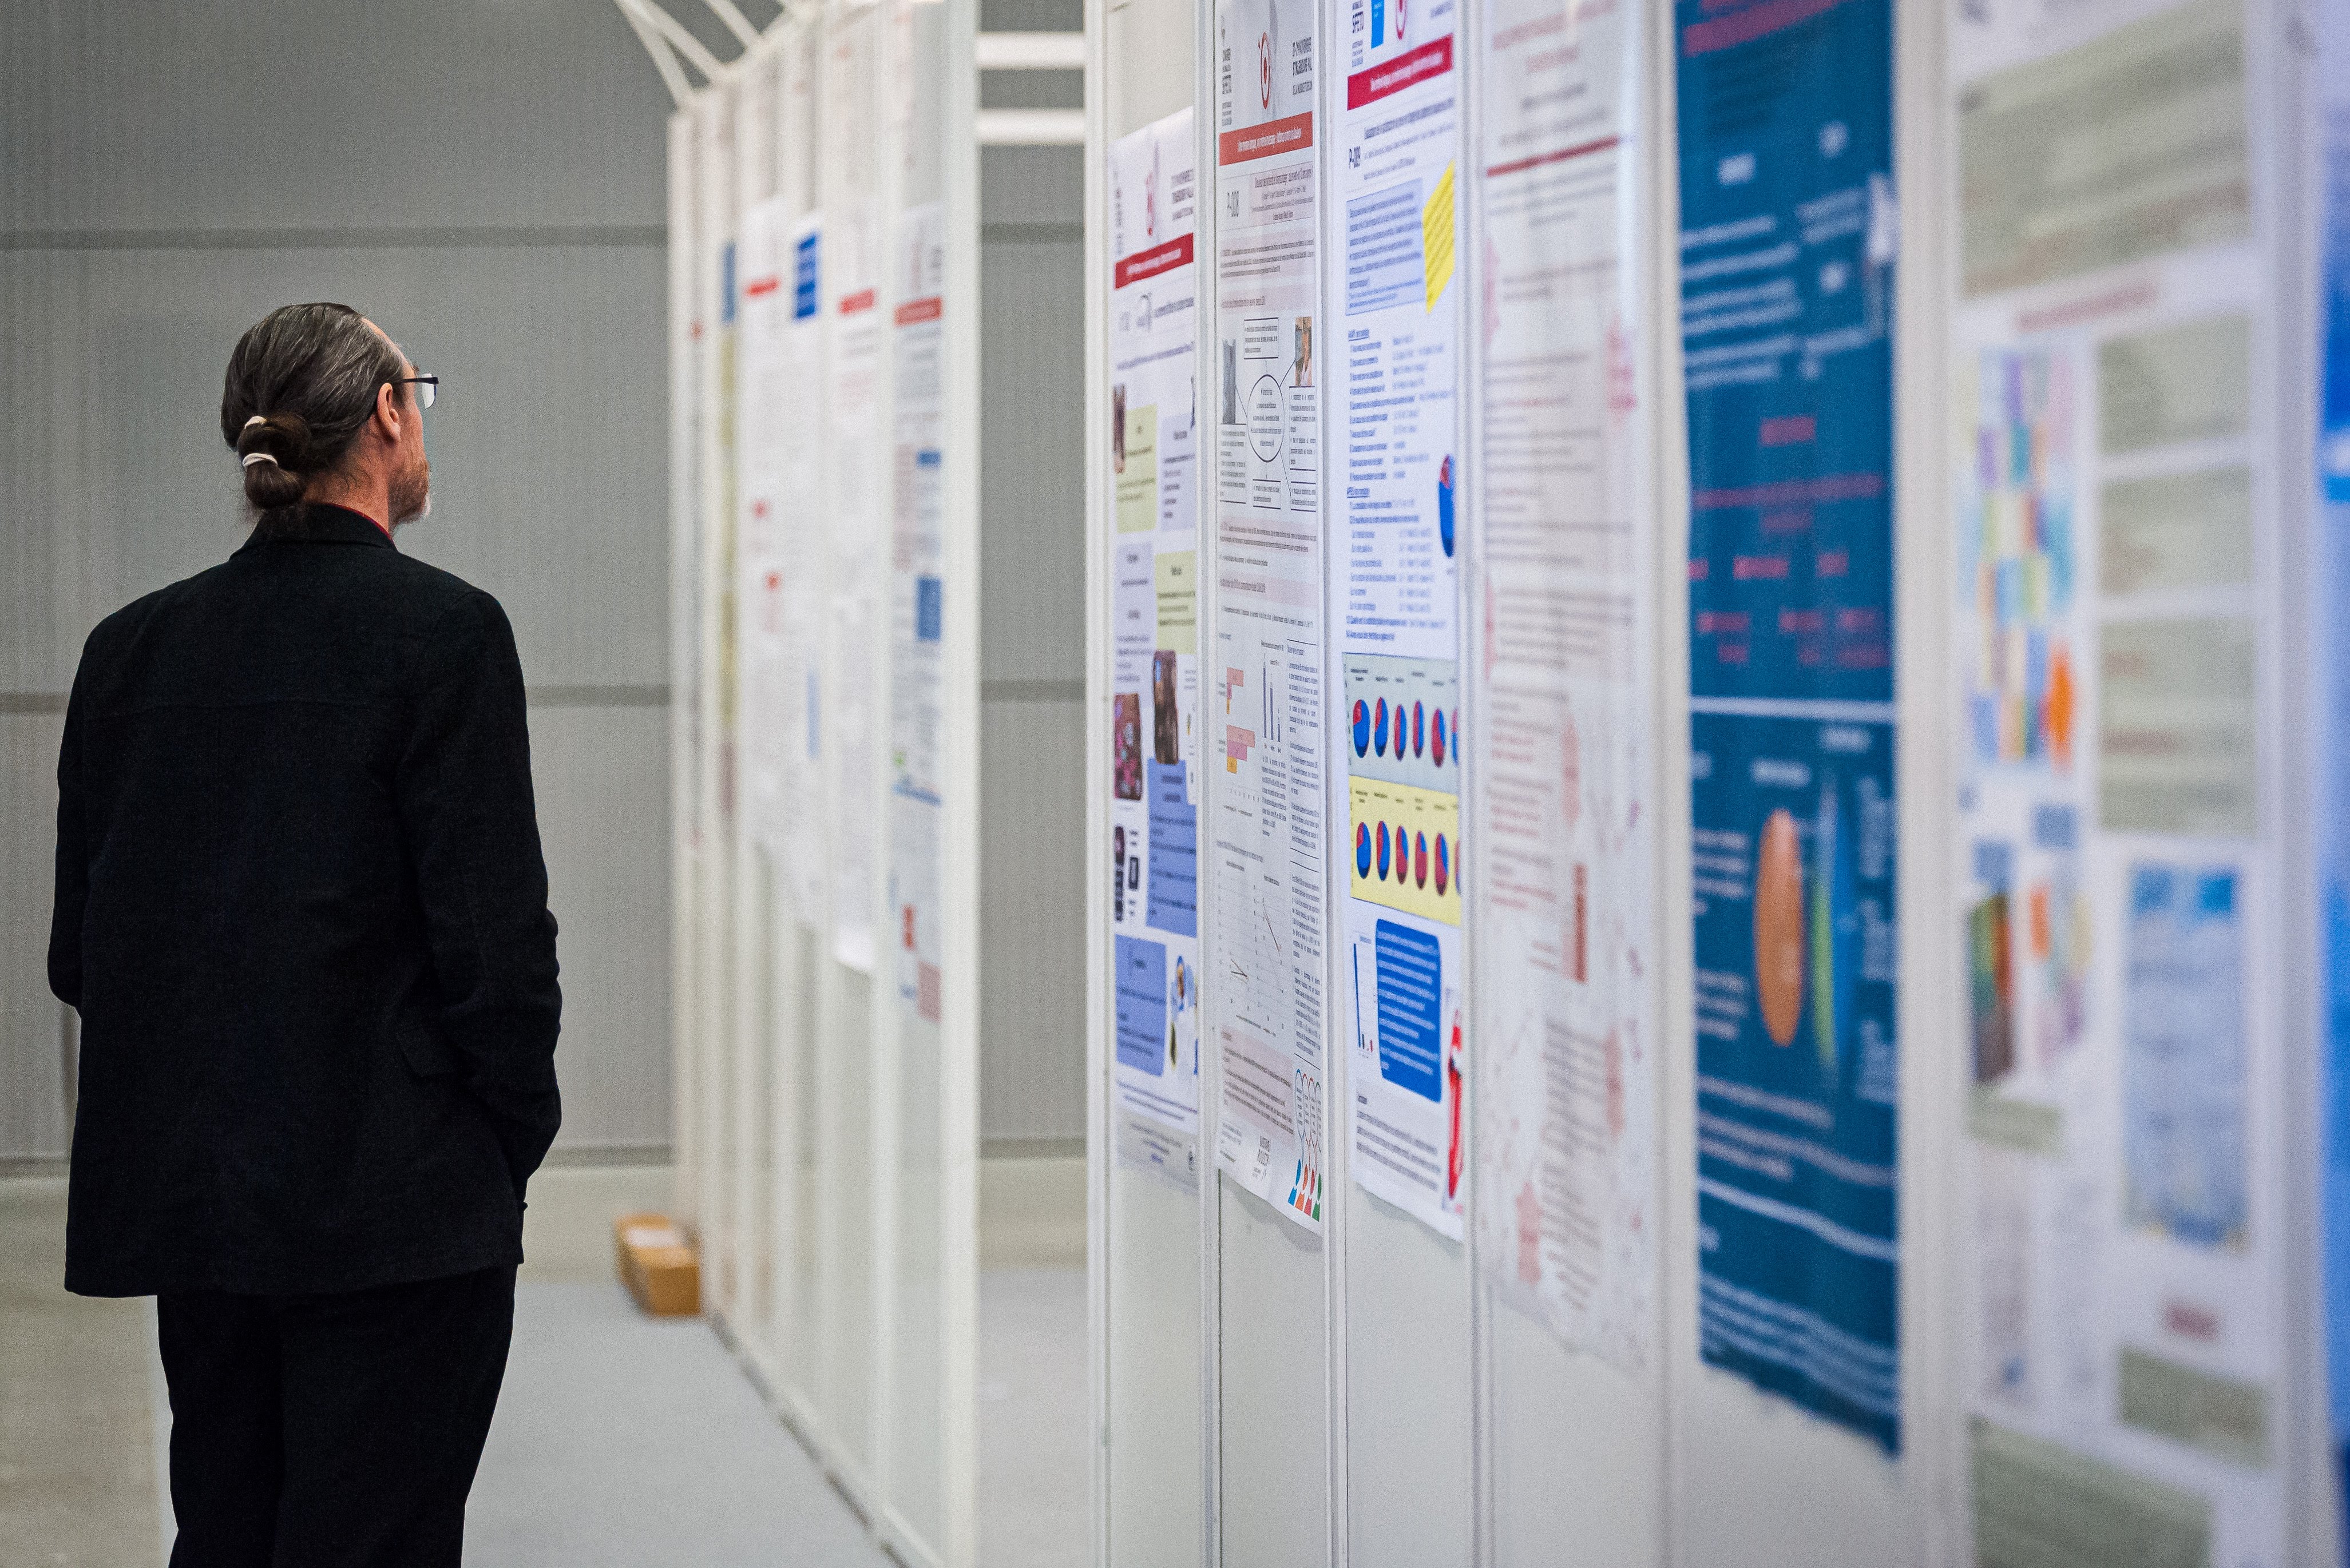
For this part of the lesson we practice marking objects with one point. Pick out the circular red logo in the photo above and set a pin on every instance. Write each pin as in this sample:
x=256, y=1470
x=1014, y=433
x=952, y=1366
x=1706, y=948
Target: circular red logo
x=1264, y=67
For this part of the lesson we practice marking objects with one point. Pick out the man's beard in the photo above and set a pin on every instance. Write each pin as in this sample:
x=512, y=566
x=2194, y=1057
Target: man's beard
x=411, y=495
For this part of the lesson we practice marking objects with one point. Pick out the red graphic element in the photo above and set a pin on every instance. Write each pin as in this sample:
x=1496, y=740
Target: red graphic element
x=1264, y=67
x=1622, y=396
x=1580, y=149
x=919, y=310
x=1419, y=860
x=1793, y=491
x=1399, y=19
x=1237, y=741
x=1529, y=1235
x=1613, y=1048
x=1423, y=64
x=764, y=285
x=1578, y=930
x=1275, y=136
x=1755, y=22
x=850, y=304
x=2190, y=1320
x=1452, y=1093
x=1175, y=253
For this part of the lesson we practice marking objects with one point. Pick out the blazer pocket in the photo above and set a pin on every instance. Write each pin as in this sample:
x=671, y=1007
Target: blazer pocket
x=428, y=1055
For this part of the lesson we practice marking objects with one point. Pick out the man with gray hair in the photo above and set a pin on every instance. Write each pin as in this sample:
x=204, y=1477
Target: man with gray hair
x=302, y=909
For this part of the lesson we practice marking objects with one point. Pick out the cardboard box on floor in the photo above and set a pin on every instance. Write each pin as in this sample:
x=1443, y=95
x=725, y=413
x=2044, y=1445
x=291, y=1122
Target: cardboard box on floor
x=658, y=1264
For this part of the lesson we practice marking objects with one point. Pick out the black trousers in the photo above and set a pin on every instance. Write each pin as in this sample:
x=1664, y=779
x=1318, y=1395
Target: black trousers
x=332, y=1431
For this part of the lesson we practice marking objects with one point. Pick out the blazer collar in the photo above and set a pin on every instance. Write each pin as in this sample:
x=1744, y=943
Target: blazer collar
x=326, y=523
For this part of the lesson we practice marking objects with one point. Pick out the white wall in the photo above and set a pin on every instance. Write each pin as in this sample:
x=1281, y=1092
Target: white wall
x=483, y=180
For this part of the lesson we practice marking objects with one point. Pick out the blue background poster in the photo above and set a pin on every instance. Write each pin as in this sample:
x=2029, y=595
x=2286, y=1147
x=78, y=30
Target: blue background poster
x=1789, y=238
x=2334, y=612
x=1796, y=1076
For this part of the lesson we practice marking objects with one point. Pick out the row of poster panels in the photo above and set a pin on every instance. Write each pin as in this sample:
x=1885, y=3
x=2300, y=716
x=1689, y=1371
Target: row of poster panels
x=1345, y=633
x=833, y=319
x=813, y=745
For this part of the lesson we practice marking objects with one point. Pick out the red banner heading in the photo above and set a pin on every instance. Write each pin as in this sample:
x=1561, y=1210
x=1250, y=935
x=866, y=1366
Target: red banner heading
x=850, y=304
x=763, y=285
x=1275, y=136
x=915, y=311
x=1422, y=64
x=1175, y=253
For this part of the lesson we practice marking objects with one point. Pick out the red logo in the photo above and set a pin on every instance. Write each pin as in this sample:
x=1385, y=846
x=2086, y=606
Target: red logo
x=1264, y=67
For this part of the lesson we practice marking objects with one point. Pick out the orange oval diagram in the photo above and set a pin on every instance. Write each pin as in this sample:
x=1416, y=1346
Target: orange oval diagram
x=1779, y=927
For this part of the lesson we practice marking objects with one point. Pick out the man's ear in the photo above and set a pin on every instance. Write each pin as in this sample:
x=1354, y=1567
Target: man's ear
x=387, y=410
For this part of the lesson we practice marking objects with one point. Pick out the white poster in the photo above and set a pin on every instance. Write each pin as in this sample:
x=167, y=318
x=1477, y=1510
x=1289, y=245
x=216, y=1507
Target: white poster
x=856, y=364
x=918, y=571
x=1154, y=676
x=1562, y=760
x=761, y=561
x=1396, y=287
x=796, y=825
x=1270, y=702
x=2123, y=1259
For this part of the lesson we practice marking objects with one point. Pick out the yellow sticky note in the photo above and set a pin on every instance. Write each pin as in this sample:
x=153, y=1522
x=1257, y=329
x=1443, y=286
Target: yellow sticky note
x=1436, y=236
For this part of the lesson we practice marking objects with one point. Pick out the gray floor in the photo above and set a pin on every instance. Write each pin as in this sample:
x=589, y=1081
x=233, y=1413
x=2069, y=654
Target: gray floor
x=618, y=1440
x=625, y=1441
x=1034, y=1483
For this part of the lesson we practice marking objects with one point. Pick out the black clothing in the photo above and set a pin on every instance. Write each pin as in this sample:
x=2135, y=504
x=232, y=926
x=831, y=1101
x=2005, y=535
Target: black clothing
x=301, y=906
x=336, y=1431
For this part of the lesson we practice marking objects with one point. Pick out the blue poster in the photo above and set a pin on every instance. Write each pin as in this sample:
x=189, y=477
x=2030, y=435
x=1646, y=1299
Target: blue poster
x=1174, y=902
x=1142, y=1038
x=2334, y=612
x=1790, y=233
x=1796, y=1074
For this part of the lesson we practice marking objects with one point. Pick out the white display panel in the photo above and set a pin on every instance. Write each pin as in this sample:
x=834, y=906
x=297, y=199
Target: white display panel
x=685, y=335
x=714, y=716
x=1268, y=848
x=1143, y=1135
x=1391, y=250
x=1151, y=550
x=2116, y=534
x=758, y=323
x=1568, y=971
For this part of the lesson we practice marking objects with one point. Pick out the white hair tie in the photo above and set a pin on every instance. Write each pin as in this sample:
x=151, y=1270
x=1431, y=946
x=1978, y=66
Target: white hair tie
x=253, y=457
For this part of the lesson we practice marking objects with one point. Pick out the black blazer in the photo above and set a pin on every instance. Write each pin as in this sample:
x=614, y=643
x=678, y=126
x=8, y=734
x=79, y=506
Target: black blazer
x=301, y=906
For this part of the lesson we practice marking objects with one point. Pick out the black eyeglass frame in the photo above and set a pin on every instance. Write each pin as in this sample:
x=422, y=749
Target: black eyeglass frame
x=428, y=388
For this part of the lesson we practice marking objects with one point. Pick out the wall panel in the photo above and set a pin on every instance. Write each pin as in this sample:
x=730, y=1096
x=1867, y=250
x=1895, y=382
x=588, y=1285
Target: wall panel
x=174, y=175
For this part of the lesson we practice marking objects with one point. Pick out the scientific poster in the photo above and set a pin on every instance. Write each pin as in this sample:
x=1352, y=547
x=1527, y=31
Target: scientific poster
x=2119, y=1253
x=1561, y=762
x=2332, y=569
x=1154, y=675
x=797, y=828
x=760, y=561
x=856, y=365
x=917, y=607
x=1789, y=238
x=1393, y=280
x=1269, y=835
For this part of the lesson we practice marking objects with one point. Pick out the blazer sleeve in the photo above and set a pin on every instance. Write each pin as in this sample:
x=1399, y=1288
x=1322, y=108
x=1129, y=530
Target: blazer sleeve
x=72, y=895
x=472, y=825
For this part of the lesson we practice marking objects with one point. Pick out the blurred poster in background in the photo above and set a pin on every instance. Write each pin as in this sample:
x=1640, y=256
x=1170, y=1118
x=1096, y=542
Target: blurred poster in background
x=2333, y=478
x=1789, y=236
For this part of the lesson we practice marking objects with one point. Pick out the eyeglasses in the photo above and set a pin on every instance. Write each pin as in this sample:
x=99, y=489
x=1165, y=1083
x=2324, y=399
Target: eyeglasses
x=427, y=388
